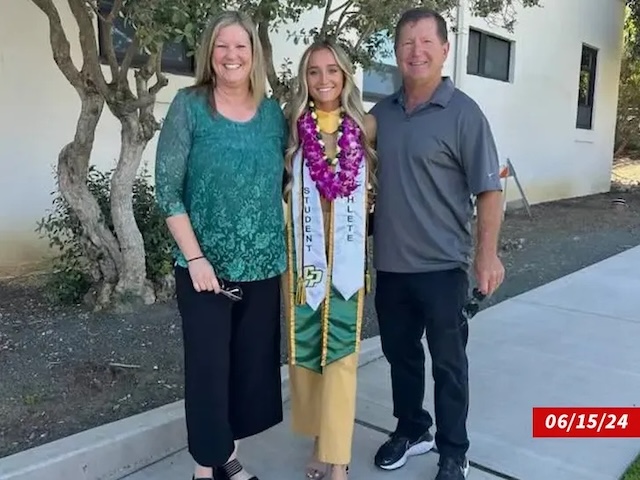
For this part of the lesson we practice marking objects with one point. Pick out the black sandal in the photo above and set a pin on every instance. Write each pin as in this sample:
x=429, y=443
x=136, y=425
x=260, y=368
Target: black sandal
x=228, y=470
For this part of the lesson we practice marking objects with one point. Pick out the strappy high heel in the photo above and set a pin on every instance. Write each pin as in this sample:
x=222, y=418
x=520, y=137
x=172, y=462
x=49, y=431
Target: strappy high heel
x=313, y=473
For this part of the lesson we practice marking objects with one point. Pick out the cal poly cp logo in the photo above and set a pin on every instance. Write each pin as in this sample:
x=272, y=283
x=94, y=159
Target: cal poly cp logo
x=312, y=276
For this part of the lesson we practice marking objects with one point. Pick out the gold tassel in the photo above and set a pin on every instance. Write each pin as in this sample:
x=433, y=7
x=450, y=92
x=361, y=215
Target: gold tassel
x=367, y=282
x=301, y=297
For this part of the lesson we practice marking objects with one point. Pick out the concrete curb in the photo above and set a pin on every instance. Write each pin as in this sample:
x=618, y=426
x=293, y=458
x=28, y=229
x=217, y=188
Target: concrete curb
x=117, y=449
x=107, y=452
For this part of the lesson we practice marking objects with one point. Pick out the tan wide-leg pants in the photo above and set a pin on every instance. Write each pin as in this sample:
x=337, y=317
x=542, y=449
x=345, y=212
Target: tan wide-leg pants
x=324, y=406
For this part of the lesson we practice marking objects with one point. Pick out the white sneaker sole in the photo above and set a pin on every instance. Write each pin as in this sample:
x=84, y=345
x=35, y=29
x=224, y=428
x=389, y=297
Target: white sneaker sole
x=465, y=469
x=417, y=449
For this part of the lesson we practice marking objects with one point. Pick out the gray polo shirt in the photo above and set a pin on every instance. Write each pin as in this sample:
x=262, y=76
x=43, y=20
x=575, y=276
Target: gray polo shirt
x=430, y=162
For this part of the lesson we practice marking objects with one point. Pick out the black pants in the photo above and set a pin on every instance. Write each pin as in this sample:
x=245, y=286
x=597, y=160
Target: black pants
x=407, y=305
x=232, y=365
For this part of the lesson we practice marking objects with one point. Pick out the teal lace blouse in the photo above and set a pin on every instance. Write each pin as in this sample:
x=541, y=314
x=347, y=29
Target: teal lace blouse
x=227, y=176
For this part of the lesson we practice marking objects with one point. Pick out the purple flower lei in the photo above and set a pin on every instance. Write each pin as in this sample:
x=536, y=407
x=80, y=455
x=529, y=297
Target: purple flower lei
x=350, y=156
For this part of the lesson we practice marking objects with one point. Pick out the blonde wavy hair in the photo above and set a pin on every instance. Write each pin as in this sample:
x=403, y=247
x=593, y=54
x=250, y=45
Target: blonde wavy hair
x=205, y=77
x=350, y=99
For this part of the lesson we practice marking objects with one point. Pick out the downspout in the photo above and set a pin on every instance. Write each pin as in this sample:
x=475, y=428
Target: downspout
x=461, y=40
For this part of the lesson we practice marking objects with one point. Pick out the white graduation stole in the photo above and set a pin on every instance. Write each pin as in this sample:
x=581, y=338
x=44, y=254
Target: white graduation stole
x=349, y=236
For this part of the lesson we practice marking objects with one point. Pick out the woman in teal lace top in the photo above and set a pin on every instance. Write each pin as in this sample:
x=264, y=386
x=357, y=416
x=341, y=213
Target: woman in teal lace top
x=219, y=170
x=226, y=175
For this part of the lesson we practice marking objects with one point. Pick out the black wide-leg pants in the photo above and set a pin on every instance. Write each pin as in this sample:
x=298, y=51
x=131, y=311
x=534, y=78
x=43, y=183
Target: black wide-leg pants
x=231, y=364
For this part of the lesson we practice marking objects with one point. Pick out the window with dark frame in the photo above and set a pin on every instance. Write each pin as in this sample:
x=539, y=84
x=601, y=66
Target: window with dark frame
x=380, y=81
x=174, y=55
x=586, y=88
x=488, y=56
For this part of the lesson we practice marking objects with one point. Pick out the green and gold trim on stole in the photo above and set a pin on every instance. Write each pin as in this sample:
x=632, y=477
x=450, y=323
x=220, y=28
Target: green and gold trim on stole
x=333, y=331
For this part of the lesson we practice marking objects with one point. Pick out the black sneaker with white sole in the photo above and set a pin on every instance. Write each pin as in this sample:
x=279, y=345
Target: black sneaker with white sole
x=452, y=468
x=395, y=452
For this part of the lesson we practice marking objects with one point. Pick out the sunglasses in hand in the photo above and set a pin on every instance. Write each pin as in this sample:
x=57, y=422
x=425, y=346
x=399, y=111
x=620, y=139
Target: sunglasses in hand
x=473, y=304
x=232, y=292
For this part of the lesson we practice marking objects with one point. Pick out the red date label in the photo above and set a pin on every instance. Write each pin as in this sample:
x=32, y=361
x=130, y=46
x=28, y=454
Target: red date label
x=553, y=422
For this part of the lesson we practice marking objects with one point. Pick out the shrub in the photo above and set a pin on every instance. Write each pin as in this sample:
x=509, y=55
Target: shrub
x=71, y=278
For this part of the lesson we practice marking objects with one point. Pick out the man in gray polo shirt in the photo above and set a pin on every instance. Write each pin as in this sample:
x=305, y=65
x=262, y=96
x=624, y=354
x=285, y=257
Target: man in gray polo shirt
x=436, y=151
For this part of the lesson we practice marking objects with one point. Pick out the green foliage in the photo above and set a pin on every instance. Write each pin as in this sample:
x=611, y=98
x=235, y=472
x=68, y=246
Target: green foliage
x=633, y=471
x=502, y=10
x=76, y=262
x=151, y=222
x=363, y=27
x=632, y=41
x=159, y=22
x=628, y=115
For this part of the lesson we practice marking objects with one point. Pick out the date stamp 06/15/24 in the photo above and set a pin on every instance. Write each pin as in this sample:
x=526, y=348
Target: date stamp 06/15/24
x=586, y=422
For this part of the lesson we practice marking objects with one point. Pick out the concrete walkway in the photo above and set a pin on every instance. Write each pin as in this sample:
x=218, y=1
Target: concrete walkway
x=573, y=342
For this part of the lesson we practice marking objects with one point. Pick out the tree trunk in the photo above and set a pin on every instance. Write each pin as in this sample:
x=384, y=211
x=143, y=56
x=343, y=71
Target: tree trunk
x=133, y=287
x=116, y=265
x=73, y=164
x=621, y=148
